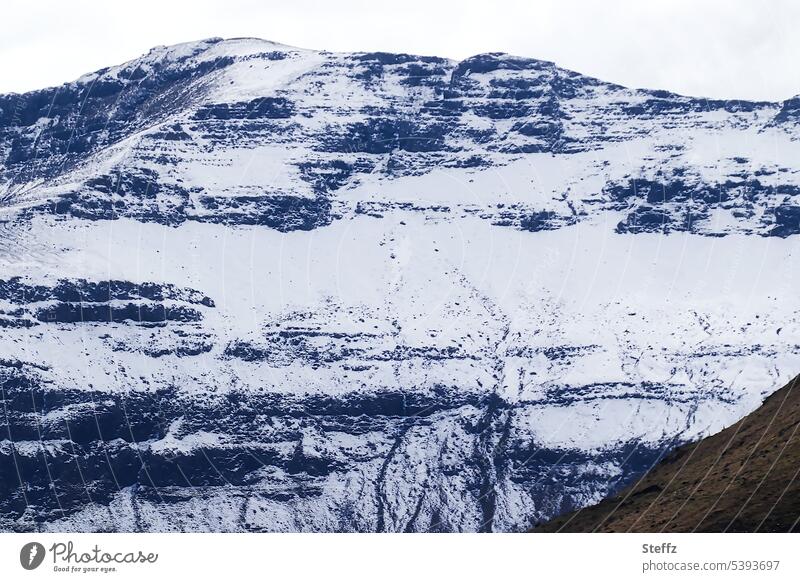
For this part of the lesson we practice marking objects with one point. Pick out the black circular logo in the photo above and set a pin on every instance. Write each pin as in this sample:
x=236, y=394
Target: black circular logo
x=31, y=555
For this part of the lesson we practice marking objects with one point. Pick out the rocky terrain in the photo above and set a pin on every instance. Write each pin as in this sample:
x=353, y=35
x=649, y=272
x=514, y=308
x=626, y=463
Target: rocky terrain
x=250, y=287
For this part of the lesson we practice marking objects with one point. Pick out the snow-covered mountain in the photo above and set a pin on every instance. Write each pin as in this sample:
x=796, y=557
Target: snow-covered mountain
x=245, y=286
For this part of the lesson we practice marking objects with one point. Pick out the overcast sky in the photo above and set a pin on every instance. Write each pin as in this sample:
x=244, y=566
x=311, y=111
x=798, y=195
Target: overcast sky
x=742, y=49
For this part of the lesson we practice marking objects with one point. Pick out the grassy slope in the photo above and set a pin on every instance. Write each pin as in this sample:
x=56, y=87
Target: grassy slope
x=745, y=478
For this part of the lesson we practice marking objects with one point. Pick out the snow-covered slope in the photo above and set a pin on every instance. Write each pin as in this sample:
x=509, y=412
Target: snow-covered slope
x=245, y=286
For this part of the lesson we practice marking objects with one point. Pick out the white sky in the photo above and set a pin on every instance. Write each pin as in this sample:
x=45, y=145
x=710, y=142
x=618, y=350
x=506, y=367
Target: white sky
x=742, y=49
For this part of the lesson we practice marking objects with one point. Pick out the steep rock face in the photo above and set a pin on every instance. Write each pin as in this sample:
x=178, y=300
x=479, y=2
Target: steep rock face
x=245, y=286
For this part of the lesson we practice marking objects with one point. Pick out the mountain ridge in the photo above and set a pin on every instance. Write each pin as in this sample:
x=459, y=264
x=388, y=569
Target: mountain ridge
x=210, y=41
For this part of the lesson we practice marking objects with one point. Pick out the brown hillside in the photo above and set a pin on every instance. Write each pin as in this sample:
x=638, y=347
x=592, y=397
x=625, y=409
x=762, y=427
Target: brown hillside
x=745, y=478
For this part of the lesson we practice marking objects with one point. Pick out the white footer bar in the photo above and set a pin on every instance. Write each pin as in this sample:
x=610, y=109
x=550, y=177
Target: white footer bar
x=408, y=557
